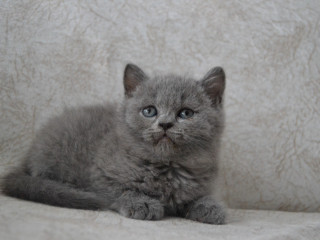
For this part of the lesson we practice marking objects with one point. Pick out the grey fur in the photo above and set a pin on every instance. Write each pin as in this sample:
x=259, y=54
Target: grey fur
x=113, y=157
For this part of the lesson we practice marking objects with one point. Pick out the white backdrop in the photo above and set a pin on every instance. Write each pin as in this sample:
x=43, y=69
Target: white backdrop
x=66, y=53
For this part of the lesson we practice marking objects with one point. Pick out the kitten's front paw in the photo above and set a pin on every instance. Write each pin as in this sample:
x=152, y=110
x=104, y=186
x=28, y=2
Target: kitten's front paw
x=206, y=210
x=144, y=210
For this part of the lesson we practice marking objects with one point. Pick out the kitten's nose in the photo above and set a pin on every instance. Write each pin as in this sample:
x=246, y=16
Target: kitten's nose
x=166, y=126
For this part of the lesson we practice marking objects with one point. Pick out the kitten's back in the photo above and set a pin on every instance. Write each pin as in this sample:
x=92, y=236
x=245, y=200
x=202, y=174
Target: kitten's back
x=55, y=170
x=70, y=140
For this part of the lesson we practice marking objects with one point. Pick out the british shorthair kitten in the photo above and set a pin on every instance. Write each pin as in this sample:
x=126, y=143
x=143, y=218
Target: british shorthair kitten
x=153, y=155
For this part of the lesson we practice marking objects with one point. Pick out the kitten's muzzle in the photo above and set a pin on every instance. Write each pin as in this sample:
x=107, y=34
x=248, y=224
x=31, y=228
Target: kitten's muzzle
x=166, y=136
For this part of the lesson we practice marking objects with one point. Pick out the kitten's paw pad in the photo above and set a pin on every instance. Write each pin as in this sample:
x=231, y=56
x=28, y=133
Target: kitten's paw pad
x=143, y=210
x=207, y=213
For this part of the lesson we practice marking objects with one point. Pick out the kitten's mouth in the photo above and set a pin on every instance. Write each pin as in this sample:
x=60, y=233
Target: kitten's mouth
x=164, y=138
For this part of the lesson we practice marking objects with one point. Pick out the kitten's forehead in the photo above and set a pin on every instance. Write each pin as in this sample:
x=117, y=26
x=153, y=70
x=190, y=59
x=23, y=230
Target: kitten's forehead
x=166, y=91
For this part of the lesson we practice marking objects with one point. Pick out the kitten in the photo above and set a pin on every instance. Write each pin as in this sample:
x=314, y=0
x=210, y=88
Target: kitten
x=153, y=155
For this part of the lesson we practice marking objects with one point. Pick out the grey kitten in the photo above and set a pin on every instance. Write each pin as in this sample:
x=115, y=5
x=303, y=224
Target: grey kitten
x=153, y=155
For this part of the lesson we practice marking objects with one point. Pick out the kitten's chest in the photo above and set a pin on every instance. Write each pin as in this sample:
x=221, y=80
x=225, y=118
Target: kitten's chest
x=172, y=185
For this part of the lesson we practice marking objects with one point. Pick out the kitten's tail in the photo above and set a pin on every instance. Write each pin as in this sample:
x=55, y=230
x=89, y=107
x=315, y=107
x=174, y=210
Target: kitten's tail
x=21, y=185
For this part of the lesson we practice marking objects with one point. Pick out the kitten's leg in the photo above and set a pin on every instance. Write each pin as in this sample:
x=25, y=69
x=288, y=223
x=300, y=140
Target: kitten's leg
x=205, y=210
x=138, y=206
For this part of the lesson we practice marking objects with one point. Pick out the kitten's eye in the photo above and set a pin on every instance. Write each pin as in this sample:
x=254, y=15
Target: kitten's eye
x=185, y=113
x=149, y=111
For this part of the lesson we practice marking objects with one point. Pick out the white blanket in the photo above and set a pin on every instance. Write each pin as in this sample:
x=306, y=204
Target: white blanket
x=32, y=221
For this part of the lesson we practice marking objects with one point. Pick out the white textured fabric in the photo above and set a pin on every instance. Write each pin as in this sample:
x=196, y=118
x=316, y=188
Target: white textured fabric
x=66, y=53
x=27, y=220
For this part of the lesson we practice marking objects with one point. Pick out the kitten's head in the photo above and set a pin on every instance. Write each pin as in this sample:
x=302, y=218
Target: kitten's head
x=173, y=114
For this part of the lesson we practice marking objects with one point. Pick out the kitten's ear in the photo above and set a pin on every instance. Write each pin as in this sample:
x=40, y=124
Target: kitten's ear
x=214, y=83
x=133, y=76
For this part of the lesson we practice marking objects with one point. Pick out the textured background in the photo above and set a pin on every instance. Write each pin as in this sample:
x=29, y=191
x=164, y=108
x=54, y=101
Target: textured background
x=66, y=53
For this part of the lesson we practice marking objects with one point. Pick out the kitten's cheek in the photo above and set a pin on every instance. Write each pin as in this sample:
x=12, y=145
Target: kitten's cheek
x=147, y=137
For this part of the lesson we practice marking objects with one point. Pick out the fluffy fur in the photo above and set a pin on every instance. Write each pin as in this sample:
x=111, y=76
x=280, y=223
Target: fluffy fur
x=114, y=157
